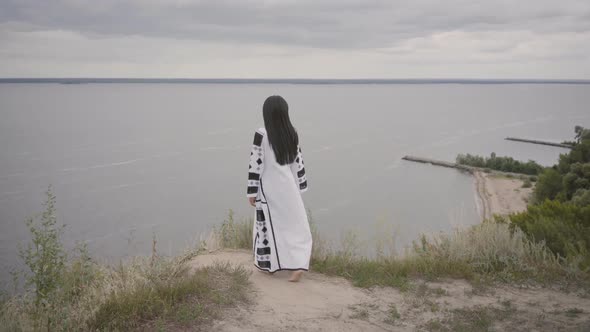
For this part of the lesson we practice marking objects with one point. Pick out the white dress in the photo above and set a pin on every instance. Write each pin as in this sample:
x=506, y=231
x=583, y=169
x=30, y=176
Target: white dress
x=281, y=234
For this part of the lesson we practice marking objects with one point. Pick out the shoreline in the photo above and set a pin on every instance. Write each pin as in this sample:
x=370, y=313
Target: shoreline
x=499, y=195
x=496, y=192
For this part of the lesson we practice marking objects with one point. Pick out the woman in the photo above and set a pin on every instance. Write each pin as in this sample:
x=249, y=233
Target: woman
x=281, y=234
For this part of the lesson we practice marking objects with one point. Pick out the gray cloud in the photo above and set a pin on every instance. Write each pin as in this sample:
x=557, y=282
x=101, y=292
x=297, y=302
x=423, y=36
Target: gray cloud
x=330, y=24
x=296, y=38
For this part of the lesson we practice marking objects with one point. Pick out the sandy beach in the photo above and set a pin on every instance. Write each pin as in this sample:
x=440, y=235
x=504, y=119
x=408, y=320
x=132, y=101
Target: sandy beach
x=499, y=194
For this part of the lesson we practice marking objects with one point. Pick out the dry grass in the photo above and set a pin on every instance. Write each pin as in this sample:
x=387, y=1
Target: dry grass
x=489, y=251
x=188, y=299
x=479, y=318
x=492, y=248
x=137, y=294
x=234, y=234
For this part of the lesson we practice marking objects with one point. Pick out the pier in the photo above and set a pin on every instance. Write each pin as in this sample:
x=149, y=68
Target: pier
x=534, y=141
x=440, y=163
x=469, y=169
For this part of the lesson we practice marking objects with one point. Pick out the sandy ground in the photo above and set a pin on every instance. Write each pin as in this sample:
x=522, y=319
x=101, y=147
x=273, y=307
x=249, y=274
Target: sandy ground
x=321, y=303
x=500, y=195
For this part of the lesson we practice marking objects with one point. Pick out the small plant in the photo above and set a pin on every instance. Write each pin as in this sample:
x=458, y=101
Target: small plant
x=392, y=314
x=527, y=183
x=562, y=227
x=478, y=318
x=359, y=311
x=44, y=256
x=235, y=235
x=573, y=312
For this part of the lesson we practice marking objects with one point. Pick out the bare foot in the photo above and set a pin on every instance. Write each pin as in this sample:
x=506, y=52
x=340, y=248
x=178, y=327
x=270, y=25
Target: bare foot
x=295, y=276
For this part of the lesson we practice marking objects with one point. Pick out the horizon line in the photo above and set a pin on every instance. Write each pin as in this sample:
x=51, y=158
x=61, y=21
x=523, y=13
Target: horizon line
x=105, y=80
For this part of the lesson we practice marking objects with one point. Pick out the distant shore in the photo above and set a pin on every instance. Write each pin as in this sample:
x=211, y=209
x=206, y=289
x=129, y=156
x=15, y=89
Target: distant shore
x=90, y=80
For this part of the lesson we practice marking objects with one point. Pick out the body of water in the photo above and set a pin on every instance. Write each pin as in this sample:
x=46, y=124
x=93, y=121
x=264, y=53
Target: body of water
x=130, y=160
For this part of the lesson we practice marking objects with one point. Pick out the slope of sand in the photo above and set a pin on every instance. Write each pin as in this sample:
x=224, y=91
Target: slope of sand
x=321, y=303
x=500, y=195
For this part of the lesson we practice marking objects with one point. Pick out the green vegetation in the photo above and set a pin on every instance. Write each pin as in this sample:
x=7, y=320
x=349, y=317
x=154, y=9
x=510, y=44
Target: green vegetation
x=560, y=213
x=183, y=299
x=570, y=178
x=360, y=311
x=563, y=227
x=44, y=256
x=527, y=183
x=392, y=315
x=478, y=318
x=573, y=312
x=65, y=292
x=581, y=134
x=504, y=164
x=235, y=235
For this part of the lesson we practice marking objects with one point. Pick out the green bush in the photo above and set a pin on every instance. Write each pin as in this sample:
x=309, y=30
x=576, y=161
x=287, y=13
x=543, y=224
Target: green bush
x=579, y=154
x=581, y=133
x=581, y=197
x=564, y=227
x=527, y=183
x=548, y=186
x=560, y=216
x=44, y=257
x=504, y=164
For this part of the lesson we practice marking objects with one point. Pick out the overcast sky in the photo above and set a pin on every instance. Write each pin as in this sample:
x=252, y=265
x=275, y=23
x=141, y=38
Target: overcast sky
x=295, y=38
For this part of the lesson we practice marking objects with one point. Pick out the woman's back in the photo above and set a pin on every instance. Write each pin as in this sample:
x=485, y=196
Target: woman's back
x=287, y=174
x=281, y=234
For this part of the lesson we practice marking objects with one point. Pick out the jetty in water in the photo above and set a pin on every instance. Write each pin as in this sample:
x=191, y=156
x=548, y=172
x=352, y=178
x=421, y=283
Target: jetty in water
x=469, y=169
x=534, y=141
x=440, y=163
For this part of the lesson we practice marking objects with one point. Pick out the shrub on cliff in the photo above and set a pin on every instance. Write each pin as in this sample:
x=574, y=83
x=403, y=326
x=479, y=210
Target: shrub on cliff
x=571, y=174
x=563, y=227
x=560, y=215
x=548, y=186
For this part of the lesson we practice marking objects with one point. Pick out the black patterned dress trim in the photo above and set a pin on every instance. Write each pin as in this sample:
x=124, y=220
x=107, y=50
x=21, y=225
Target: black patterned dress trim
x=272, y=228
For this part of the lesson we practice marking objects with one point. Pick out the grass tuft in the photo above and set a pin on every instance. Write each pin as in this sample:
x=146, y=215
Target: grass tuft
x=188, y=298
x=392, y=315
x=478, y=318
x=235, y=234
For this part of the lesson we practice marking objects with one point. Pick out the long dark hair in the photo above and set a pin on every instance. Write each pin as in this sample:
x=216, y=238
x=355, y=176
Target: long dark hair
x=282, y=136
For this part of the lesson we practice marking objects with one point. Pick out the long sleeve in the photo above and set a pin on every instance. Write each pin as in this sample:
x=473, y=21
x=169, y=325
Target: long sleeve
x=298, y=170
x=256, y=165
